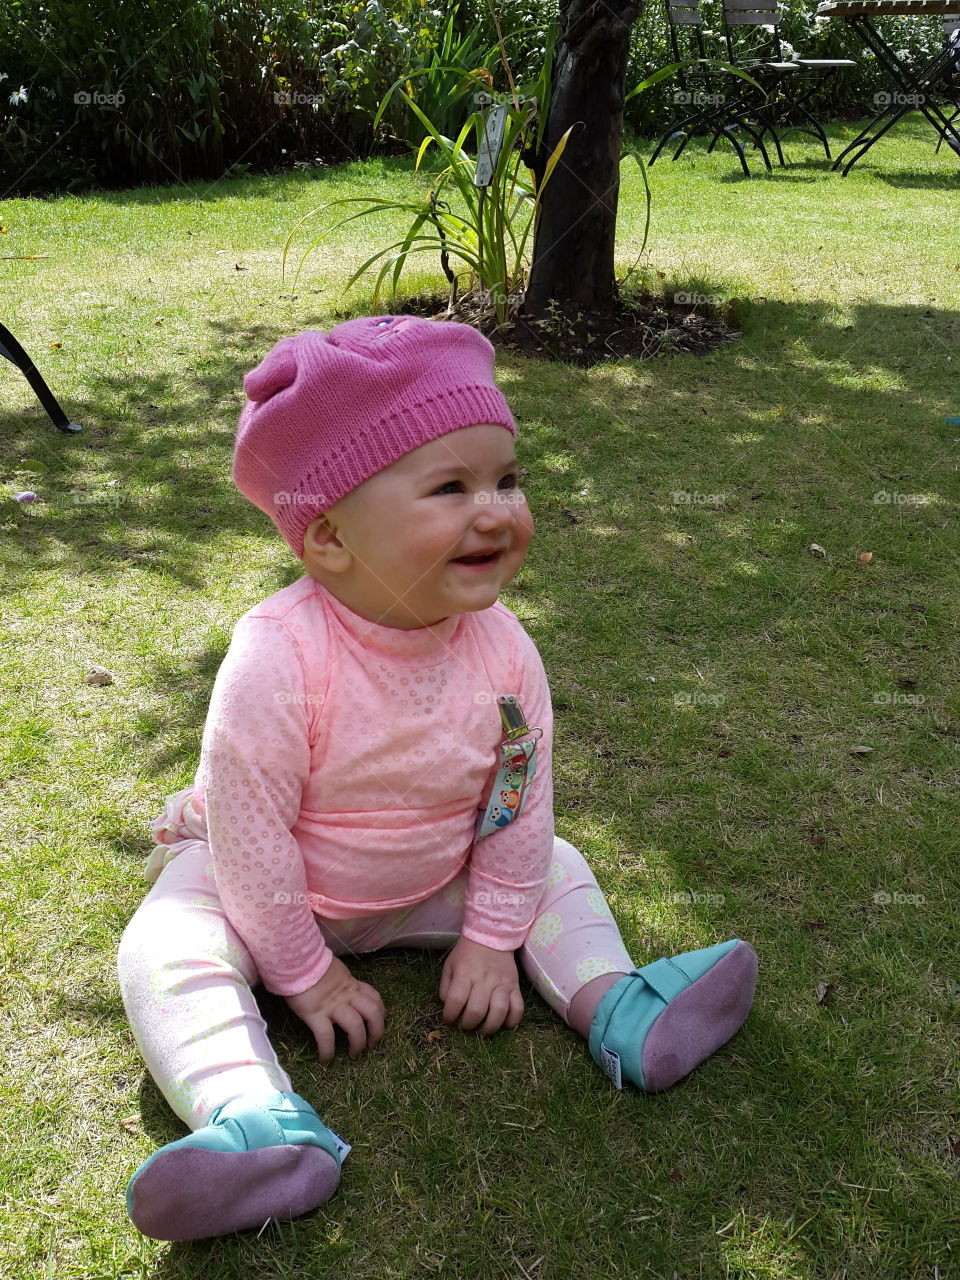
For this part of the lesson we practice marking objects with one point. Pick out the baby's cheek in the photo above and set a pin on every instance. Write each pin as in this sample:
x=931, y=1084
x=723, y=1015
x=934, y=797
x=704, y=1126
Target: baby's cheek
x=525, y=526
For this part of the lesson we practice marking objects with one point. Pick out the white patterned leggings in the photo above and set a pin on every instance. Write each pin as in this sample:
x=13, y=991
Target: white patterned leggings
x=187, y=979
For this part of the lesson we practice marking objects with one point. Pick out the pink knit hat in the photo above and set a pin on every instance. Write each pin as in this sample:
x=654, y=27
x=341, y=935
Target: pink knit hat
x=327, y=410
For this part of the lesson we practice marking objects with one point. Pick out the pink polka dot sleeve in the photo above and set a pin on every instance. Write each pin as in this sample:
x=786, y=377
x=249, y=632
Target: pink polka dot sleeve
x=509, y=867
x=254, y=765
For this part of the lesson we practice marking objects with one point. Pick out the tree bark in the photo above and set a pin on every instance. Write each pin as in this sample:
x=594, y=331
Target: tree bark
x=573, y=245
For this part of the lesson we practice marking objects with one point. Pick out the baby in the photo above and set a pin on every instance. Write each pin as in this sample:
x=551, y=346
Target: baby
x=375, y=772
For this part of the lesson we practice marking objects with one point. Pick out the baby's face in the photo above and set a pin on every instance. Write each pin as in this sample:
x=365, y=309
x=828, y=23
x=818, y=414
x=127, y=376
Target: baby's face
x=389, y=549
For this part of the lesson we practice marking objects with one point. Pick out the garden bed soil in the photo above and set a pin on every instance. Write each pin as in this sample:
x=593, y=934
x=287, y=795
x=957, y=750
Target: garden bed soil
x=641, y=329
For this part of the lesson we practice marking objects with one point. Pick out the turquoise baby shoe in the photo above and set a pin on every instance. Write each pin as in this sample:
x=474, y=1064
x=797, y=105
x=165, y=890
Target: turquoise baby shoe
x=257, y=1159
x=659, y=1022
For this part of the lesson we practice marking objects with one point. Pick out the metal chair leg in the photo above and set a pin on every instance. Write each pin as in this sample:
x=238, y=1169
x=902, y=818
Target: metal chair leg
x=735, y=143
x=817, y=129
x=659, y=147
x=756, y=136
x=677, y=128
x=943, y=137
x=685, y=139
x=776, y=142
x=701, y=121
x=798, y=105
x=11, y=350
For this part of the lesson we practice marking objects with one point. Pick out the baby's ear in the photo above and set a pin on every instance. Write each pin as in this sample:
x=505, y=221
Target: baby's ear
x=322, y=549
x=318, y=529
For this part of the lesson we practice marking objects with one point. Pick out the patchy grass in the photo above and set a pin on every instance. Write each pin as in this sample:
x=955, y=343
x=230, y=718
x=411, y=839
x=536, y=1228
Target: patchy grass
x=710, y=675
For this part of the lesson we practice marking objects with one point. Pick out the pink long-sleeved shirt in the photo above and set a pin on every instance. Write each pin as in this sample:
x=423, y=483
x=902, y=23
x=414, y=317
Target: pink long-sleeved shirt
x=342, y=767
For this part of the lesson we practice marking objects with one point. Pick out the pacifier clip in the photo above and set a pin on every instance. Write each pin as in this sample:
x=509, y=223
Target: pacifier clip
x=515, y=771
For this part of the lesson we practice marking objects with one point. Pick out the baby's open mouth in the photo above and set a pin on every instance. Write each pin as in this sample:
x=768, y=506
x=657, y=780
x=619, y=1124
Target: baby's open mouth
x=487, y=559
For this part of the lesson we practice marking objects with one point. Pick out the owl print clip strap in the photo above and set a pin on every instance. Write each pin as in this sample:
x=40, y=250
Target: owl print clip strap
x=517, y=765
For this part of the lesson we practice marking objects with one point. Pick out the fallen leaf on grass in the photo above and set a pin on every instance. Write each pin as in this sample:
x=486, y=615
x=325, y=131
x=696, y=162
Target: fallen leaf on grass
x=861, y=751
x=866, y=557
x=434, y=1035
x=131, y=1123
x=817, y=550
x=825, y=992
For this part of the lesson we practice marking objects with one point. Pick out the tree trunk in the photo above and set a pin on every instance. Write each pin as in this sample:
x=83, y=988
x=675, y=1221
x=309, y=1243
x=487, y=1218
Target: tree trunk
x=576, y=225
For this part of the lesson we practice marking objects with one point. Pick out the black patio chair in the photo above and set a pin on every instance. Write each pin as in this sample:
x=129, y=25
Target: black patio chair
x=719, y=102
x=951, y=79
x=752, y=30
x=11, y=350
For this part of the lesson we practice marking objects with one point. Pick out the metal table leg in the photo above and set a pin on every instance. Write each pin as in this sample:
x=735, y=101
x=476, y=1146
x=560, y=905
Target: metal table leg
x=911, y=85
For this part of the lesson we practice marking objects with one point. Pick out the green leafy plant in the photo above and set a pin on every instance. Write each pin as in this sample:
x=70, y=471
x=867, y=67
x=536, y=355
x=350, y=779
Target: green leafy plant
x=429, y=86
x=366, y=44
x=488, y=229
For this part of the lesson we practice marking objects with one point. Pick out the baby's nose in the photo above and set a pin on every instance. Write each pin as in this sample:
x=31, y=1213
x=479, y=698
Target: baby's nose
x=496, y=508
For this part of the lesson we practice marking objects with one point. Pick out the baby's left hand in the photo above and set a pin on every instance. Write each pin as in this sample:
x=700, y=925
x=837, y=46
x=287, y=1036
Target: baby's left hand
x=480, y=983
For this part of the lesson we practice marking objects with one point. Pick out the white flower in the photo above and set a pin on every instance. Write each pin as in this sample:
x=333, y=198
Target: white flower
x=4, y=76
x=19, y=96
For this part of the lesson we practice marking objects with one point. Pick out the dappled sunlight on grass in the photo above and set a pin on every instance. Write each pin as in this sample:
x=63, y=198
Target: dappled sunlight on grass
x=711, y=677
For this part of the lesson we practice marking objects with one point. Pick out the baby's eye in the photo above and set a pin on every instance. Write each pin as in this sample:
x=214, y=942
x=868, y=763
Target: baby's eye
x=511, y=479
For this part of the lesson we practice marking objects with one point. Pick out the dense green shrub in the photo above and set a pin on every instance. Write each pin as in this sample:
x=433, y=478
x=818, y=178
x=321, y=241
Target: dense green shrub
x=107, y=91
x=186, y=89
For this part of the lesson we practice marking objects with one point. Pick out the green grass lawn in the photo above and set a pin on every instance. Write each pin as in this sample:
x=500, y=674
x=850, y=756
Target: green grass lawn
x=711, y=676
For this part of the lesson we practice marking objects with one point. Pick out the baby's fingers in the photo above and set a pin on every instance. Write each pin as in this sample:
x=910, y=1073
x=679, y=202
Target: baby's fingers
x=478, y=1007
x=515, y=1016
x=497, y=1011
x=457, y=994
x=323, y=1033
x=351, y=1021
x=371, y=1008
x=506, y=1010
x=372, y=995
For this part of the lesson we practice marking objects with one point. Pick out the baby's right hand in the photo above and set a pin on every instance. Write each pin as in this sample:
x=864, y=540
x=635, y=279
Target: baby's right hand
x=338, y=999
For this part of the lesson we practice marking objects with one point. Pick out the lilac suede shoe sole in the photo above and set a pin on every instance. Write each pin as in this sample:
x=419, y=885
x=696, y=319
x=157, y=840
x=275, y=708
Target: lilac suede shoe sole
x=700, y=1019
x=192, y=1193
